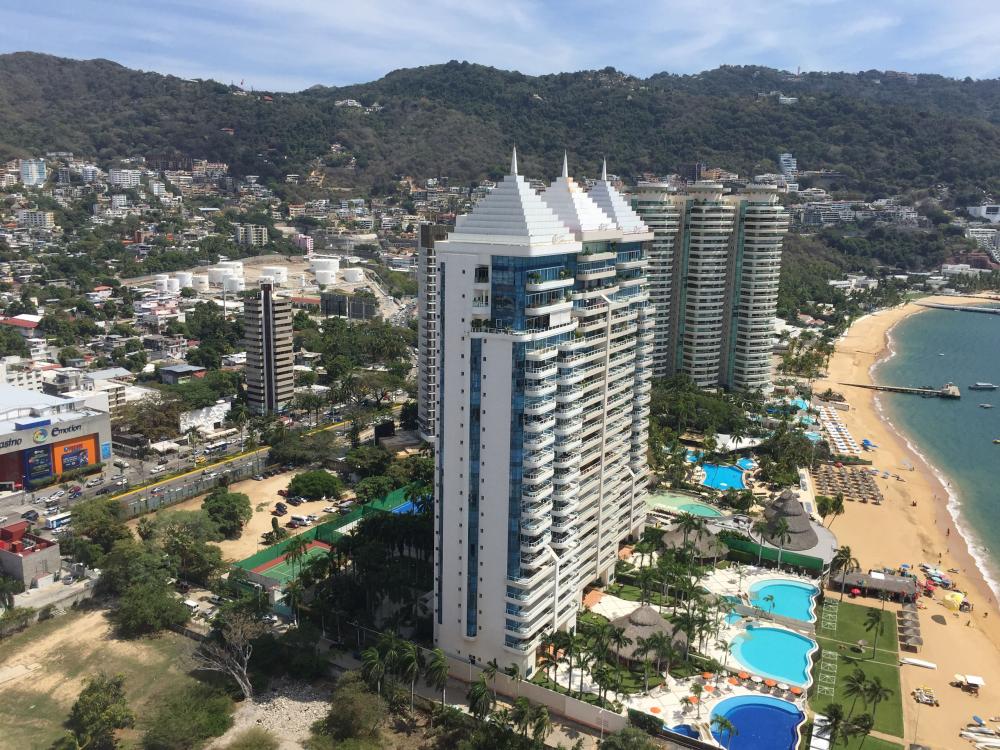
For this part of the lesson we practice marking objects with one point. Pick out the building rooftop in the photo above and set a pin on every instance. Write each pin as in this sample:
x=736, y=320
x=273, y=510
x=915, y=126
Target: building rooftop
x=613, y=203
x=512, y=214
x=576, y=209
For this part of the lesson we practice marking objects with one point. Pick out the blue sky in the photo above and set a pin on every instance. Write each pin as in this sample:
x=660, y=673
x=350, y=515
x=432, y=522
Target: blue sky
x=292, y=44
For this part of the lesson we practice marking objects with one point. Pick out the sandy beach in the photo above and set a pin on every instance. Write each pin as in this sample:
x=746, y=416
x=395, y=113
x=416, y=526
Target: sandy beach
x=899, y=532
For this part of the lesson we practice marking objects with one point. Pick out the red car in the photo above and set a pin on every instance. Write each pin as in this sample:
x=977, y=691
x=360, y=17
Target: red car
x=283, y=493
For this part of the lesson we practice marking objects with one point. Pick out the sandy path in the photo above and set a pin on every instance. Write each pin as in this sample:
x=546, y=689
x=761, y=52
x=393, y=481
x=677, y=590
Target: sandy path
x=897, y=532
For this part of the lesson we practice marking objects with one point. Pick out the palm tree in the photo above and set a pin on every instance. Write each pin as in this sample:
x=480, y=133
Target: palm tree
x=759, y=528
x=725, y=728
x=873, y=624
x=642, y=649
x=373, y=667
x=645, y=580
x=490, y=673
x=844, y=562
x=295, y=550
x=436, y=673
x=520, y=715
x=689, y=523
x=876, y=693
x=618, y=639
x=408, y=664
x=769, y=600
x=548, y=659
x=834, y=721
x=861, y=725
x=480, y=698
x=541, y=724
x=781, y=532
x=696, y=690
x=582, y=657
x=661, y=645
x=855, y=686
x=514, y=672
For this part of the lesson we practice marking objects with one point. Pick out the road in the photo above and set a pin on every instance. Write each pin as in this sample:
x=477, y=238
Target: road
x=194, y=480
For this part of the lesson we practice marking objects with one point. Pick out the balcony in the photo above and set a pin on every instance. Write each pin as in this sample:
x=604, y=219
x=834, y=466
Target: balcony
x=537, y=476
x=533, y=546
x=538, y=441
x=536, y=492
x=537, y=372
x=538, y=510
x=538, y=458
x=545, y=405
x=539, y=424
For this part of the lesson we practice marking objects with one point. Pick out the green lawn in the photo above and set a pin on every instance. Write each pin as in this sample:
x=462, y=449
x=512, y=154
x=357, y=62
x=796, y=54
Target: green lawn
x=889, y=715
x=71, y=648
x=851, y=627
x=883, y=663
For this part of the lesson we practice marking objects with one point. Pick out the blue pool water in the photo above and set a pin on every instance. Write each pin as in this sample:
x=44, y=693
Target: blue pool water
x=800, y=403
x=685, y=730
x=723, y=477
x=407, y=507
x=813, y=437
x=779, y=654
x=746, y=464
x=791, y=598
x=699, y=509
x=762, y=723
x=693, y=456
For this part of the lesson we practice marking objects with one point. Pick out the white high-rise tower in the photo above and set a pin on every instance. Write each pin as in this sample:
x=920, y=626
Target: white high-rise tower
x=544, y=354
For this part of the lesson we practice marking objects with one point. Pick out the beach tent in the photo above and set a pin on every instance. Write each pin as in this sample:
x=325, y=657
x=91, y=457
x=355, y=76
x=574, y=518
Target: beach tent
x=953, y=599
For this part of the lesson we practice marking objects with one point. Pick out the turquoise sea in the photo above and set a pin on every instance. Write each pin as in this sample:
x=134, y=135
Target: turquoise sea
x=956, y=437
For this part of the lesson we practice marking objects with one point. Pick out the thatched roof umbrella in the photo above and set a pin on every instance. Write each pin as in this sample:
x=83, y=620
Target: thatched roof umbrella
x=705, y=545
x=801, y=535
x=642, y=622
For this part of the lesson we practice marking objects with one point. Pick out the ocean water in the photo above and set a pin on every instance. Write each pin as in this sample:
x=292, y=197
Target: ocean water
x=956, y=437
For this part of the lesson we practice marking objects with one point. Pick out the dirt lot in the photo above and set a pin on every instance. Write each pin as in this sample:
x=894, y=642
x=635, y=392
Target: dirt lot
x=43, y=669
x=263, y=495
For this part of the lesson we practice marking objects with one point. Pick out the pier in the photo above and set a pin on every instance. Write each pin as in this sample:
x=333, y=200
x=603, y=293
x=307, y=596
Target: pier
x=960, y=308
x=949, y=390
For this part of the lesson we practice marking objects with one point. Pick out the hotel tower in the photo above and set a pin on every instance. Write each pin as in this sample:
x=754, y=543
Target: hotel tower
x=713, y=281
x=544, y=345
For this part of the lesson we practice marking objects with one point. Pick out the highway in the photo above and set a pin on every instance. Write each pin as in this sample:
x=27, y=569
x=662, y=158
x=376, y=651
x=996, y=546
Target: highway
x=185, y=479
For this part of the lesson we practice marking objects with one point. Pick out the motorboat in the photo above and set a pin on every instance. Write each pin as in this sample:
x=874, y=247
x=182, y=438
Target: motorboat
x=986, y=406
x=983, y=387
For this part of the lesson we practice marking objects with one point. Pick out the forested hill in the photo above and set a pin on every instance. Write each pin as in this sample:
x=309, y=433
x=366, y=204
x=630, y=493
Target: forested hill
x=887, y=132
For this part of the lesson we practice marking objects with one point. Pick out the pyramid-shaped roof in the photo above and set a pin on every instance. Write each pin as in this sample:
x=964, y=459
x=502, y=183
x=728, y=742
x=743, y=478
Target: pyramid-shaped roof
x=574, y=207
x=801, y=535
x=613, y=203
x=514, y=214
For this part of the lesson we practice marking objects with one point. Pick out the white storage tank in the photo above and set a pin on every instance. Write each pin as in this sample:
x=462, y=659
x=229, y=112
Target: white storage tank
x=184, y=278
x=325, y=264
x=354, y=275
x=278, y=273
x=199, y=281
x=326, y=277
x=173, y=286
x=218, y=274
x=236, y=265
x=161, y=284
x=234, y=284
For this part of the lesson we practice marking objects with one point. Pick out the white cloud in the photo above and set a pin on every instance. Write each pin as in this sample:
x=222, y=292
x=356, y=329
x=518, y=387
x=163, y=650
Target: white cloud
x=281, y=45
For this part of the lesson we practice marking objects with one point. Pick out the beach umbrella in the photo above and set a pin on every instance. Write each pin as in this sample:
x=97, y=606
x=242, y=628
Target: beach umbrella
x=953, y=599
x=654, y=709
x=770, y=683
x=905, y=566
x=978, y=720
x=692, y=699
x=707, y=675
x=795, y=690
x=744, y=675
x=855, y=591
x=733, y=681
x=757, y=678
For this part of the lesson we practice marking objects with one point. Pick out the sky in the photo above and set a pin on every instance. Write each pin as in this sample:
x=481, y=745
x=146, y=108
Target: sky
x=289, y=45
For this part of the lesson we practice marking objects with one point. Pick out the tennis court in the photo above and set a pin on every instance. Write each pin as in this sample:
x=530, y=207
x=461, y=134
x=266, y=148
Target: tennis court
x=283, y=571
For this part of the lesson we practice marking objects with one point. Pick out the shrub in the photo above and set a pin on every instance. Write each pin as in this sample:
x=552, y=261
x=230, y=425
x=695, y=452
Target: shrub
x=188, y=716
x=254, y=738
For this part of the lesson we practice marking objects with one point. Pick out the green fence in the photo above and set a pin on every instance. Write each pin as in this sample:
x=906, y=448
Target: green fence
x=328, y=532
x=757, y=551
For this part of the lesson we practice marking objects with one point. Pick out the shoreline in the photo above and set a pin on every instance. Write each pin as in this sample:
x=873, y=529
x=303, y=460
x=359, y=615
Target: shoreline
x=981, y=563
x=913, y=525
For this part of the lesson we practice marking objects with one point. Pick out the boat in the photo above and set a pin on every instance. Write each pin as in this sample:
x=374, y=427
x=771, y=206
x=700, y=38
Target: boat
x=986, y=406
x=983, y=387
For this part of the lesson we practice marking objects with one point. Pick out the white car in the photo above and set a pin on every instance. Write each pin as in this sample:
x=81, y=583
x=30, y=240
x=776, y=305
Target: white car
x=330, y=509
x=59, y=494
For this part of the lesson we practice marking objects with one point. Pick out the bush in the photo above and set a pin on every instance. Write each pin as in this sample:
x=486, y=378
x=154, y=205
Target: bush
x=254, y=738
x=149, y=607
x=229, y=511
x=356, y=712
x=315, y=485
x=186, y=717
x=646, y=722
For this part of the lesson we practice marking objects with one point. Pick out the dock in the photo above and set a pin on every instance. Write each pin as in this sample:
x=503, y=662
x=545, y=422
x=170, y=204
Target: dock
x=960, y=308
x=949, y=390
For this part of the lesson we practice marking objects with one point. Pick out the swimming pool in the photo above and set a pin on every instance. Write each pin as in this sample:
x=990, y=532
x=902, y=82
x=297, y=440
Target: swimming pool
x=772, y=652
x=762, y=723
x=813, y=437
x=683, y=504
x=746, y=464
x=723, y=477
x=793, y=599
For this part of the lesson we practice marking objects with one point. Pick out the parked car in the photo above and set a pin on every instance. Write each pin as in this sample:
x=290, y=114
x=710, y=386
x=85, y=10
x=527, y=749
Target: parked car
x=105, y=491
x=258, y=477
x=76, y=488
x=283, y=493
x=294, y=501
x=30, y=515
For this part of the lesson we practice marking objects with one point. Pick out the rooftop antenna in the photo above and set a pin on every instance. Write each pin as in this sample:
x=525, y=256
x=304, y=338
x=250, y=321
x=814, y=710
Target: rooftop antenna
x=513, y=161
x=565, y=173
x=604, y=169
